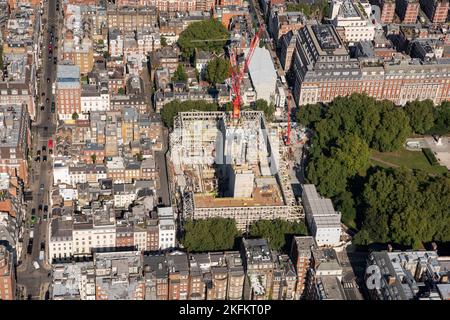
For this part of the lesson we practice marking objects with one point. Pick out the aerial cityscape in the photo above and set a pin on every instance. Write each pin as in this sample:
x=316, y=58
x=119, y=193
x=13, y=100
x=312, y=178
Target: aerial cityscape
x=225, y=150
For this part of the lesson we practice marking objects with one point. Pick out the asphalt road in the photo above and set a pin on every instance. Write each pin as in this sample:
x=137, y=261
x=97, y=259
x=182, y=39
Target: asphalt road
x=36, y=280
x=255, y=8
x=161, y=164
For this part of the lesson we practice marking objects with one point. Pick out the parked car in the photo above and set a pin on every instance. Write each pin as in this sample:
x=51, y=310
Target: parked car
x=30, y=246
x=44, y=158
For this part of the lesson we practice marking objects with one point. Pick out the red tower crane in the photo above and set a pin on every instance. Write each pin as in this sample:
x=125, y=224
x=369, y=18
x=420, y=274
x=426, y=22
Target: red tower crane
x=288, y=133
x=237, y=75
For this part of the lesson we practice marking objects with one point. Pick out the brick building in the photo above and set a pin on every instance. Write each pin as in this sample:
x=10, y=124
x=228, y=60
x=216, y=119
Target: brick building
x=19, y=87
x=324, y=70
x=436, y=10
x=127, y=19
x=301, y=256
x=7, y=275
x=124, y=236
x=258, y=264
x=68, y=91
x=178, y=265
x=14, y=141
x=387, y=11
x=407, y=10
x=287, y=42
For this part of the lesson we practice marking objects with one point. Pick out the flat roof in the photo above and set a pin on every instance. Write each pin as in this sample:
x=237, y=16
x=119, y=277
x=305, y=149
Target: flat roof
x=261, y=197
x=314, y=203
x=328, y=221
x=67, y=71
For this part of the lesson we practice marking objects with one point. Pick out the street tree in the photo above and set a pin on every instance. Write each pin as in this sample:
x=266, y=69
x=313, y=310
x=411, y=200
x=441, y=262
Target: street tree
x=171, y=109
x=210, y=234
x=421, y=115
x=163, y=41
x=268, y=109
x=180, y=74
x=208, y=35
x=277, y=232
x=217, y=70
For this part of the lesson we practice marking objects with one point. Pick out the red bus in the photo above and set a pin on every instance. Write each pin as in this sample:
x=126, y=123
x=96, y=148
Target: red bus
x=50, y=143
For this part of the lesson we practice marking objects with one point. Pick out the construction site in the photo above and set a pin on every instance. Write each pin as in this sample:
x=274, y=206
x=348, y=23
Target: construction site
x=229, y=167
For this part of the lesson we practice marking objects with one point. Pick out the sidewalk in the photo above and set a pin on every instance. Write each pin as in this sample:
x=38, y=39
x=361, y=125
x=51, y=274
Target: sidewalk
x=43, y=289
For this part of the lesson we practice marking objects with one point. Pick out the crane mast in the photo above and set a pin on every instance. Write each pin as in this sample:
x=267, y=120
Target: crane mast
x=237, y=75
x=288, y=134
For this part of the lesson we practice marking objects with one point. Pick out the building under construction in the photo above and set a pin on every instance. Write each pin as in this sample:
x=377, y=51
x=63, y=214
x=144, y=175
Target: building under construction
x=230, y=168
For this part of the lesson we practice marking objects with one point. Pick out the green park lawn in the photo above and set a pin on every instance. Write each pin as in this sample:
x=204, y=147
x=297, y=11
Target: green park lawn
x=407, y=159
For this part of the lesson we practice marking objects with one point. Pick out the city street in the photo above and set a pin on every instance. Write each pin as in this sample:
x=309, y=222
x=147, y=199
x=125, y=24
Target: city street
x=161, y=165
x=269, y=44
x=36, y=280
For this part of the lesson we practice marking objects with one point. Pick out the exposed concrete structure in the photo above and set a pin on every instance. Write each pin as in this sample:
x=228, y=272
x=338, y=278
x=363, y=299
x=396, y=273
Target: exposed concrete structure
x=230, y=168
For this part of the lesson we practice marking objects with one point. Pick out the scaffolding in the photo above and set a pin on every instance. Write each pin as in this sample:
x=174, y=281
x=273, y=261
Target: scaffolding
x=204, y=142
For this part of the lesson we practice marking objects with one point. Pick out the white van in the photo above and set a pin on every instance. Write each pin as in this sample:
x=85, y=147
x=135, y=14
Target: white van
x=36, y=265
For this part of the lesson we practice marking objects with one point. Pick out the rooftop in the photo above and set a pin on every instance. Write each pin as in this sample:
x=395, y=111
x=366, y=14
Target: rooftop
x=330, y=288
x=62, y=229
x=404, y=272
x=261, y=197
x=315, y=204
x=67, y=279
x=326, y=36
x=12, y=125
x=67, y=73
x=257, y=250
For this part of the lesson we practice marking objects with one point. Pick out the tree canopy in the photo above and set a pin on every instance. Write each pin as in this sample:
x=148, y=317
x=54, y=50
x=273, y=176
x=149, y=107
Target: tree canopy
x=277, y=232
x=163, y=41
x=203, y=35
x=180, y=74
x=217, y=70
x=421, y=115
x=170, y=110
x=268, y=109
x=320, y=7
x=441, y=119
x=211, y=234
x=386, y=205
x=406, y=208
x=310, y=114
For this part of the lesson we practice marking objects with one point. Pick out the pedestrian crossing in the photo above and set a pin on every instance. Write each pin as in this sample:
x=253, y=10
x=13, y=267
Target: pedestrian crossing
x=348, y=285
